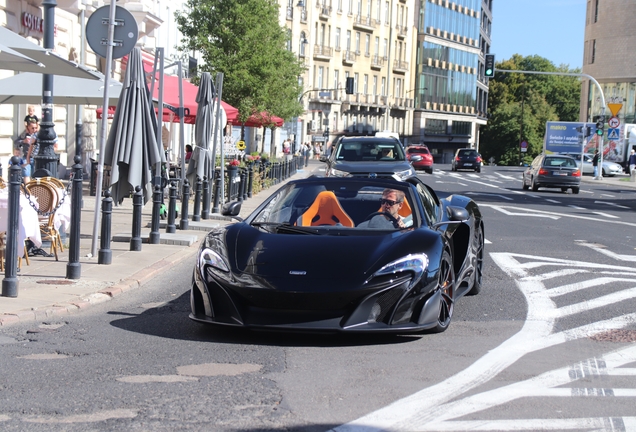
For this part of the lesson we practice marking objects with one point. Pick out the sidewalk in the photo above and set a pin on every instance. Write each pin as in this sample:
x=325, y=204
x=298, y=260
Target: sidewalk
x=621, y=180
x=44, y=291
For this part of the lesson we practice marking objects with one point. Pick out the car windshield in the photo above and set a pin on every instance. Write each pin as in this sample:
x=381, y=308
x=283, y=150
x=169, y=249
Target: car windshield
x=321, y=208
x=467, y=153
x=368, y=150
x=421, y=150
x=559, y=162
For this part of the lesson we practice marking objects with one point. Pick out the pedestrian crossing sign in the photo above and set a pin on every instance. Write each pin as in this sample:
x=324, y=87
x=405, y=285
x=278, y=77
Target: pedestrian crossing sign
x=613, y=134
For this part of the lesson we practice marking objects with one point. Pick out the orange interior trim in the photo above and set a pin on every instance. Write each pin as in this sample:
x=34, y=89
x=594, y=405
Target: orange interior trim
x=325, y=210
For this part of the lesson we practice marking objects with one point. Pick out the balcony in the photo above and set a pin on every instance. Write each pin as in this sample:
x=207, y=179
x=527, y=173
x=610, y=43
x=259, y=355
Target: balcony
x=401, y=31
x=325, y=12
x=403, y=103
x=364, y=23
x=349, y=57
x=377, y=62
x=400, y=66
x=323, y=52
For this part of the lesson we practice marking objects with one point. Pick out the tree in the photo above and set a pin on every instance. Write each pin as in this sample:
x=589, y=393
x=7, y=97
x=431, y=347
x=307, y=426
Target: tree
x=243, y=40
x=543, y=98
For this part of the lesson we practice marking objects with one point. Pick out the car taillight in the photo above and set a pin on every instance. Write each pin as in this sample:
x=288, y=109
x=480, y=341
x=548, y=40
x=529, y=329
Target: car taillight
x=543, y=171
x=478, y=159
x=457, y=158
x=576, y=173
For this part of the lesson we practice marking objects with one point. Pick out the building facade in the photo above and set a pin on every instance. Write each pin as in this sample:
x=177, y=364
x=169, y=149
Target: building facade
x=451, y=91
x=372, y=41
x=609, y=56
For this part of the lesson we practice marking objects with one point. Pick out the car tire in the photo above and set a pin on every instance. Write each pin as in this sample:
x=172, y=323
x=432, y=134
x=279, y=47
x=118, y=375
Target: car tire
x=446, y=287
x=564, y=189
x=535, y=187
x=430, y=171
x=524, y=186
x=575, y=190
x=478, y=252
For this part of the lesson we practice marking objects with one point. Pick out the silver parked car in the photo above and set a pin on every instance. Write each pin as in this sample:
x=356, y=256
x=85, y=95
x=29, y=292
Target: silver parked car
x=610, y=169
x=553, y=171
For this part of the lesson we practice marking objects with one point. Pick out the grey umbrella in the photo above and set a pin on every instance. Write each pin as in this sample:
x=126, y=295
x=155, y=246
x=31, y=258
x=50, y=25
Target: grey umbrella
x=201, y=159
x=131, y=149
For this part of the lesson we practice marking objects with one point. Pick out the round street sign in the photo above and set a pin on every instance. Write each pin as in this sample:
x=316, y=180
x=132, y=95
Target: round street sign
x=124, y=37
x=614, y=122
x=240, y=145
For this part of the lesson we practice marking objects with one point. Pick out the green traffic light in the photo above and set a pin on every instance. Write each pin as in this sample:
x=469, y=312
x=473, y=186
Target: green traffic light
x=488, y=72
x=599, y=131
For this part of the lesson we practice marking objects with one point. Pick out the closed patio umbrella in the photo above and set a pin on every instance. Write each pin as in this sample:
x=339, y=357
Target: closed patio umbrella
x=202, y=160
x=131, y=149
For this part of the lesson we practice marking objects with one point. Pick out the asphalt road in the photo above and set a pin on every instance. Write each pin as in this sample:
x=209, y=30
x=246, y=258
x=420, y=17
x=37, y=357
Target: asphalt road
x=550, y=341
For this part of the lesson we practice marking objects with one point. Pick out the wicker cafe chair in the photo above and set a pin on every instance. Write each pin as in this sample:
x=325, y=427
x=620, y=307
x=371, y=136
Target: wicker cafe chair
x=47, y=201
x=3, y=184
x=55, y=183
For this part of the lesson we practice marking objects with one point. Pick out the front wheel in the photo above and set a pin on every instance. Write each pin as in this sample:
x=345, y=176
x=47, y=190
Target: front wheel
x=446, y=287
x=535, y=187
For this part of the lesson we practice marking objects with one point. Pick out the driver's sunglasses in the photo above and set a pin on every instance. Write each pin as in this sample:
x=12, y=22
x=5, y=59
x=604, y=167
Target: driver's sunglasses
x=390, y=203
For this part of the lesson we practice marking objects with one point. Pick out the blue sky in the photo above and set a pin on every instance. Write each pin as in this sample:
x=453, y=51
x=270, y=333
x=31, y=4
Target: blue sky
x=553, y=29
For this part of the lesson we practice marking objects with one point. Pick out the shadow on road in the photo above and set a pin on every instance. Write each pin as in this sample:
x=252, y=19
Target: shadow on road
x=171, y=321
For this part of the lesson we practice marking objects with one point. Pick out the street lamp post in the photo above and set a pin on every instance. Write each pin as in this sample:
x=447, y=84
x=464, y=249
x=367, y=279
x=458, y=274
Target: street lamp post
x=46, y=159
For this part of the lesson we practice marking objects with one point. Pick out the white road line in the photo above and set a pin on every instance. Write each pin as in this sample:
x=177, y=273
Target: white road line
x=489, y=194
x=611, y=204
x=576, y=207
x=607, y=215
x=599, y=423
x=553, y=201
x=579, y=286
x=595, y=303
x=608, y=195
x=533, y=195
x=609, y=253
x=507, y=177
x=523, y=211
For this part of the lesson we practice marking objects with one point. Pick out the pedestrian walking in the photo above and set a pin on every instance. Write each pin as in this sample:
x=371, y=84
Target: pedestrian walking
x=595, y=163
x=632, y=163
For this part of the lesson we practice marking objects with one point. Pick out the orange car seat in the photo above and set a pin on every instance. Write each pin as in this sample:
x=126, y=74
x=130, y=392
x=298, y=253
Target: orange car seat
x=405, y=210
x=325, y=210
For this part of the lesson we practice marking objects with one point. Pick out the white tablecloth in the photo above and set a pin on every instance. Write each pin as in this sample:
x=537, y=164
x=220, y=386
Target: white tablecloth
x=28, y=225
x=62, y=216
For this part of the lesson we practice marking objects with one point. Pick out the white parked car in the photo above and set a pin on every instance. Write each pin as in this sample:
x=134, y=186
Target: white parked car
x=610, y=169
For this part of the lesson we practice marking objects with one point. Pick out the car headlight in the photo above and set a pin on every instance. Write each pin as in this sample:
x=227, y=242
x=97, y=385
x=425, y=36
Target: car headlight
x=208, y=257
x=415, y=263
x=402, y=175
x=337, y=173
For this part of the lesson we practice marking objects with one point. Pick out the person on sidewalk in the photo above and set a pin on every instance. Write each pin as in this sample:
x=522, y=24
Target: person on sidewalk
x=632, y=163
x=595, y=163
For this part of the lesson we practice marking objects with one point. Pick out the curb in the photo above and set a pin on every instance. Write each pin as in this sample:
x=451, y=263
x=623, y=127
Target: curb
x=84, y=302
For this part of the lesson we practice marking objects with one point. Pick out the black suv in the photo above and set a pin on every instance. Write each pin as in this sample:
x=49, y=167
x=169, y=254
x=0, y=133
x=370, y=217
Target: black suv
x=466, y=158
x=368, y=156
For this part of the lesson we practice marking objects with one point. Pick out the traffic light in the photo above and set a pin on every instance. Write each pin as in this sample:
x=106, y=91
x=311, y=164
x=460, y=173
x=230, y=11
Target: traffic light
x=349, y=86
x=490, y=65
x=588, y=131
x=326, y=133
x=600, y=126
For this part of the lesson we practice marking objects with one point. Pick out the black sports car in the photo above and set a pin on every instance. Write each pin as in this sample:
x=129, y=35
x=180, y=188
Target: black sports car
x=320, y=254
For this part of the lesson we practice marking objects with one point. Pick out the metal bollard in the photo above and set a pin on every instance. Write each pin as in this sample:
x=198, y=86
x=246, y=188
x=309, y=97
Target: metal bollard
x=241, y=188
x=155, y=236
x=196, y=216
x=205, y=210
x=10, y=282
x=138, y=202
x=250, y=181
x=171, y=228
x=185, y=200
x=105, y=255
x=217, y=195
x=73, y=267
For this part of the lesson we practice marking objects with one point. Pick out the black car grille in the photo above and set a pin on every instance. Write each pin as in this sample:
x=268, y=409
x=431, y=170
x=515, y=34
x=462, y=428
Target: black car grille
x=385, y=303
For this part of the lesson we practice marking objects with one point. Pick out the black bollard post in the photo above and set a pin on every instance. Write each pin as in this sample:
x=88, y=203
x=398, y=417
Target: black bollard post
x=10, y=282
x=138, y=202
x=105, y=255
x=172, y=209
x=155, y=236
x=241, y=186
x=185, y=200
x=217, y=195
x=73, y=267
x=250, y=180
x=196, y=212
x=205, y=210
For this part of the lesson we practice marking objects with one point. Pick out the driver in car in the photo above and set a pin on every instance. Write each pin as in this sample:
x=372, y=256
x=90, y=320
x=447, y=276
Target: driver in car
x=390, y=204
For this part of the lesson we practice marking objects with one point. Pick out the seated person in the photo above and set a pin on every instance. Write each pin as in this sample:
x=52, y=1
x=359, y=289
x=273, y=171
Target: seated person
x=391, y=202
x=188, y=153
x=385, y=153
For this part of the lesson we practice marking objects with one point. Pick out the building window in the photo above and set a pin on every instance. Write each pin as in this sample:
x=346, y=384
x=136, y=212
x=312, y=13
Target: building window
x=337, y=38
x=336, y=79
x=356, y=78
x=461, y=128
x=376, y=48
x=592, y=57
x=348, y=40
x=320, y=76
x=596, y=10
x=367, y=45
x=366, y=84
x=436, y=126
x=386, y=13
x=357, y=42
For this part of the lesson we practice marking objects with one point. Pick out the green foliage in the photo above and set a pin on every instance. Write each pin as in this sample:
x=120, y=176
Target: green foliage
x=542, y=98
x=243, y=40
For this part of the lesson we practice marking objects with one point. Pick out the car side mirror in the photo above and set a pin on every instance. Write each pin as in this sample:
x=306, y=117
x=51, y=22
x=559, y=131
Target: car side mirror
x=455, y=215
x=232, y=209
x=323, y=158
